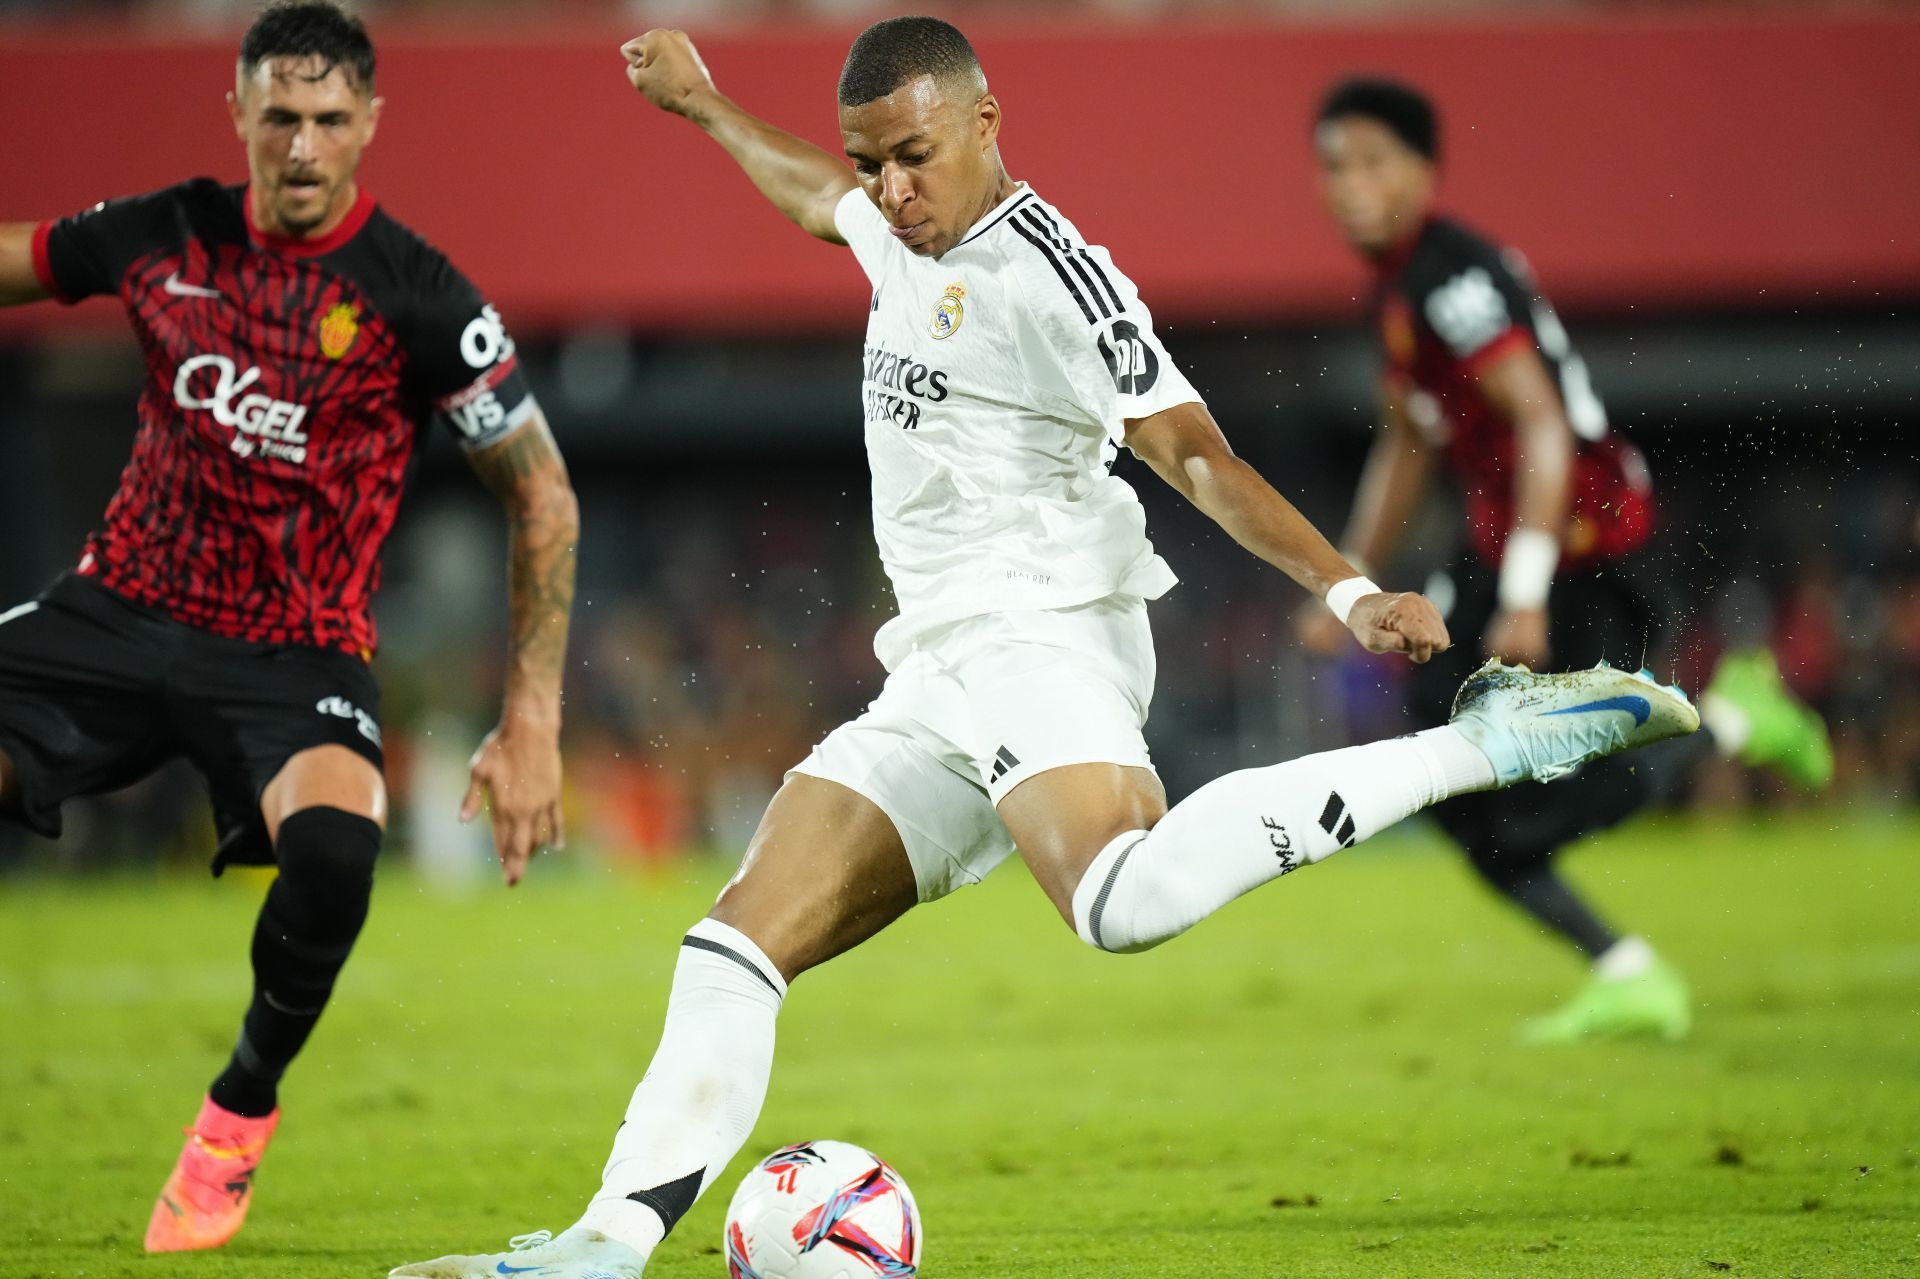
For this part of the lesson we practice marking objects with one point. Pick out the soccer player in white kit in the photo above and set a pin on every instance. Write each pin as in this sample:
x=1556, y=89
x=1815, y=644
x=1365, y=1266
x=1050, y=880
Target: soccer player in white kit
x=1006, y=360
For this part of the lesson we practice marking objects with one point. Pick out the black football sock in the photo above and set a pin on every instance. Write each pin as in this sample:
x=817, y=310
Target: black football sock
x=307, y=927
x=1551, y=900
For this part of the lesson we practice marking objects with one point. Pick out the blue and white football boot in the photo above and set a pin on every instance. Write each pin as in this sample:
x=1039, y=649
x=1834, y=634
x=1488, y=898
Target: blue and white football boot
x=577, y=1253
x=1540, y=727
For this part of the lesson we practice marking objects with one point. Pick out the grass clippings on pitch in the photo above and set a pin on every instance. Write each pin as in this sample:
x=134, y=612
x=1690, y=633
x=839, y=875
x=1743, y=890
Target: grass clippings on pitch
x=1320, y=1082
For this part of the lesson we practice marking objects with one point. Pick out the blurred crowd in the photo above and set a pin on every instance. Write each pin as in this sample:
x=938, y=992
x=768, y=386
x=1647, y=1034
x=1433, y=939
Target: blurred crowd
x=723, y=628
x=748, y=638
x=729, y=592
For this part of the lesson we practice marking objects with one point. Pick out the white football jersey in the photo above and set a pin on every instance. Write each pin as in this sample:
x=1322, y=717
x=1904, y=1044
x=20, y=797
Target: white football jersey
x=998, y=381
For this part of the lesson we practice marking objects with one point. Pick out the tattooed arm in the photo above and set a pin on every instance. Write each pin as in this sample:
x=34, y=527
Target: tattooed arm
x=518, y=765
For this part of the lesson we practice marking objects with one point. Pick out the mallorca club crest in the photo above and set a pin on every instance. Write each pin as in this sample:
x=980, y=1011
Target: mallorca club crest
x=338, y=330
x=948, y=311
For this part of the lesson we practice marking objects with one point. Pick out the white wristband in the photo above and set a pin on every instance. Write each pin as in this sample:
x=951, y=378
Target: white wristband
x=1526, y=568
x=1342, y=596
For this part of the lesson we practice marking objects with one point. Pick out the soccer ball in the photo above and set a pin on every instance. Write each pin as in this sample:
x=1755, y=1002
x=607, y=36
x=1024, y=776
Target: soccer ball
x=822, y=1210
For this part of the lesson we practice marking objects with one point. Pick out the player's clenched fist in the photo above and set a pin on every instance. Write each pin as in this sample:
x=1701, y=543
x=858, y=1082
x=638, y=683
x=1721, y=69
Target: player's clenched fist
x=1399, y=623
x=666, y=68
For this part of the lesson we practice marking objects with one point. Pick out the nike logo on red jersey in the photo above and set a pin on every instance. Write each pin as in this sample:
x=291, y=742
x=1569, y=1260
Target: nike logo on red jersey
x=174, y=286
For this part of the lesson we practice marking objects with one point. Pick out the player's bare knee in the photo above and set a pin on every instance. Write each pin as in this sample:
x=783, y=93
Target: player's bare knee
x=825, y=871
x=328, y=776
x=793, y=936
x=772, y=938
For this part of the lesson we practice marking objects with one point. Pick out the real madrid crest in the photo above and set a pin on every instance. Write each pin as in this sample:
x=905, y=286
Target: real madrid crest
x=338, y=329
x=948, y=311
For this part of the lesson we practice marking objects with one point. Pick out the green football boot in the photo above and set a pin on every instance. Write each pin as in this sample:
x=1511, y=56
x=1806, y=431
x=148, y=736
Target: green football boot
x=1785, y=734
x=1653, y=1004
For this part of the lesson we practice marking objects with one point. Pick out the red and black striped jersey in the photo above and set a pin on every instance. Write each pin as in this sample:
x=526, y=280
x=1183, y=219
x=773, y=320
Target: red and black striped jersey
x=289, y=385
x=1446, y=306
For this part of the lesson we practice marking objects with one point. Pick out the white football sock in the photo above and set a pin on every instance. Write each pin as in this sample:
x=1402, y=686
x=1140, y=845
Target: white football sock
x=701, y=1095
x=1239, y=831
x=1626, y=959
x=1732, y=728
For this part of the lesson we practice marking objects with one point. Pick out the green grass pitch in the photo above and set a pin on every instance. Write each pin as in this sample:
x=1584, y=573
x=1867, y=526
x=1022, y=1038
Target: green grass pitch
x=1319, y=1082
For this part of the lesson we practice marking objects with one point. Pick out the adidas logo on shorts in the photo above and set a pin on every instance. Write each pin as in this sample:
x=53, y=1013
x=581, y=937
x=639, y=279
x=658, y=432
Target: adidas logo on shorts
x=1003, y=762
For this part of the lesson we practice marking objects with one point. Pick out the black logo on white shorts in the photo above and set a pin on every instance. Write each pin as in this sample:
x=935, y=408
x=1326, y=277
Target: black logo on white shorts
x=1003, y=763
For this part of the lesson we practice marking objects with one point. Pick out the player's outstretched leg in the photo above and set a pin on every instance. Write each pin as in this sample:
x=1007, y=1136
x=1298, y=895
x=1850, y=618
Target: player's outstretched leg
x=825, y=871
x=1509, y=725
x=307, y=927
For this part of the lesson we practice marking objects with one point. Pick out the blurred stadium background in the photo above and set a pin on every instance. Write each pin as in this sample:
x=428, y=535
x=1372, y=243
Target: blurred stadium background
x=1721, y=200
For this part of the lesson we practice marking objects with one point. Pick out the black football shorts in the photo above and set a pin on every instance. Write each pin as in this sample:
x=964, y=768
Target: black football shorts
x=97, y=692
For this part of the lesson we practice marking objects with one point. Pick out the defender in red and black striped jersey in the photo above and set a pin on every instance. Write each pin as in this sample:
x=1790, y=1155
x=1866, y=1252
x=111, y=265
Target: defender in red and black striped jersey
x=1558, y=512
x=1452, y=311
x=300, y=345
x=290, y=384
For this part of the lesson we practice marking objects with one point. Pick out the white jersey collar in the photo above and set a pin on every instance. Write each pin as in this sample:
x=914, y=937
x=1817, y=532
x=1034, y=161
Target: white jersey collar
x=994, y=216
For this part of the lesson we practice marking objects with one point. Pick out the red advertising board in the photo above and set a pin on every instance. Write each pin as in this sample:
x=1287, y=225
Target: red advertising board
x=1659, y=161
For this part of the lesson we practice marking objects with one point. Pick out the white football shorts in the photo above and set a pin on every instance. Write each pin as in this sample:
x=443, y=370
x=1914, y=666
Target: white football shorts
x=980, y=706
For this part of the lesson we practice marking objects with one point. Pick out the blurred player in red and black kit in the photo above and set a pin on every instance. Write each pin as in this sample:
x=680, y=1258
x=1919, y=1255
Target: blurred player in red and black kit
x=1559, y=514
x=300, y=344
